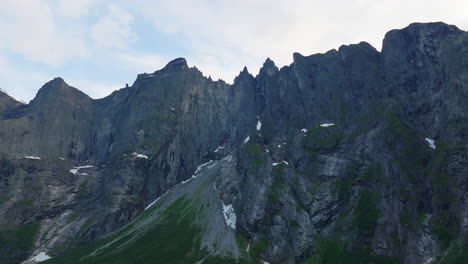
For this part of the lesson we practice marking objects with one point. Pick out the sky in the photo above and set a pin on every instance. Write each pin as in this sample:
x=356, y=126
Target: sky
x=98, y=46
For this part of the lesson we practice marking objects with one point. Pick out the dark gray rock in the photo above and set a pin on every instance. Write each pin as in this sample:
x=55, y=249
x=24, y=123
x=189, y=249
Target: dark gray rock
x=368, y=180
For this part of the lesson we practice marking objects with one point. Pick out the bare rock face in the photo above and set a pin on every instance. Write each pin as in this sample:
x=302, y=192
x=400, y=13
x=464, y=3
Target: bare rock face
x=351, y=156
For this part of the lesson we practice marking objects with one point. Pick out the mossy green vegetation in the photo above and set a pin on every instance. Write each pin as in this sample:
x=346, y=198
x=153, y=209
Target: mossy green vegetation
x=414, y=154
x=136, y=198
x=259, y=247
x=372, y=172
x=331, y=251
x=175, y=238
x=321, y=138
x=444, y=233
x=24, y=202
x=294, y=223
x=18, y=242
x=366, y=214
x=278, y=181
x=343, y=187
x=241, y=240
x=228, y=260
x=444, y=221
x=255, y=151
x=457, y=255
x=4, y=198
x=82, y=188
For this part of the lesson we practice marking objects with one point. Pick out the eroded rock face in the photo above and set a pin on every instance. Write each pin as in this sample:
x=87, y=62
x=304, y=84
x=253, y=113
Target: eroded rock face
x=340, y=155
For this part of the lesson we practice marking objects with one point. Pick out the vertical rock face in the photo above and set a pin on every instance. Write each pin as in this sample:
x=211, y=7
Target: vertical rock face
x=329, y=154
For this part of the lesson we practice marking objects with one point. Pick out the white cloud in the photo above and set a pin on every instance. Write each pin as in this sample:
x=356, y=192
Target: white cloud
x=250, y=31
x=219, y=37
x=75, y=8
x=95, y=89
x=114, y=29
x=28, y=28
x=19, y=84
x=139, y=63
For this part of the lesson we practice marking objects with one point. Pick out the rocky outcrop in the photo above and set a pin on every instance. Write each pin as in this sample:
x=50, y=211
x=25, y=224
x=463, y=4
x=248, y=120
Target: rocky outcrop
x=333, y=153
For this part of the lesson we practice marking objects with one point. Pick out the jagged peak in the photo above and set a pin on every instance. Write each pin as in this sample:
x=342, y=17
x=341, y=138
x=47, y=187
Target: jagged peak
x=58, y=88
x=176, y=64
x=269, y=63
x=244, y=74
x=268, y=68
x=56, y=83
x=297, y=56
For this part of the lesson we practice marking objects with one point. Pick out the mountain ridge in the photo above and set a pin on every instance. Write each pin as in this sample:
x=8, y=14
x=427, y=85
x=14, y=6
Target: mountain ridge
x=328, y=154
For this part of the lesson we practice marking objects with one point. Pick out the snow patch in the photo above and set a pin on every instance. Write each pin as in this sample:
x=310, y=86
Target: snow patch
x=431, y=143
x=229, y=216
x=218, y=149
x=248, y=248
x=61, y=159
x=327, y=124
x=32, y=157
x=172, y=108
x=429, y=260
x=259, y=125
x=157, y=199
x=267, y=150
x=75, y=170
x=199, y=168
x=276, y=163
x=40, y=257
x=279, y=146
x=228, y=158
x=304, y=130
x=264, y=262
x=247, y=139
x=139, y=155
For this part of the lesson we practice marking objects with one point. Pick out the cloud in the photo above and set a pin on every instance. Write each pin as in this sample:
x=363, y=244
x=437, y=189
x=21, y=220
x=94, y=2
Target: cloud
x=19, y=84
x=254, y=30
x=75, y=8
x=95, y=89
x=114, y=29
x=29, y=28
x=93, y=41
x=141, y=62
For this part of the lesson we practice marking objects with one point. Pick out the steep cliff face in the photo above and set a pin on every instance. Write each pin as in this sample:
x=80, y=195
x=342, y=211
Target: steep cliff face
x=352, y=156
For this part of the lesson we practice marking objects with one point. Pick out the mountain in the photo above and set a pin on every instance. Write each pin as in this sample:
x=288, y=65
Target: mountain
x=7, y=102
x=351, y=156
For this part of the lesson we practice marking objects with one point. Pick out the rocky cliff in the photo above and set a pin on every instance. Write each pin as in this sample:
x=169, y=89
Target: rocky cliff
x=352, y=156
